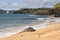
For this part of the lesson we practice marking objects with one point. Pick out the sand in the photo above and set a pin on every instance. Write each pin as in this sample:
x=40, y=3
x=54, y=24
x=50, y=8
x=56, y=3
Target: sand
x=52, y=32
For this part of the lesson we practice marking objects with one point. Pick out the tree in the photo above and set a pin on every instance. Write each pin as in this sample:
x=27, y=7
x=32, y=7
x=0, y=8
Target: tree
x=57, y=5
x=56, y=10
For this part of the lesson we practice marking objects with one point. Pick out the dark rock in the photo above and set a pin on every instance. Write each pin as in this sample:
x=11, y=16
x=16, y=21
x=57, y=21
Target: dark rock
x=30, y=29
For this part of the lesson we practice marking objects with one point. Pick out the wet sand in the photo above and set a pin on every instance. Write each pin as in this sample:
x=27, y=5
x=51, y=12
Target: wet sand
x=51, y=32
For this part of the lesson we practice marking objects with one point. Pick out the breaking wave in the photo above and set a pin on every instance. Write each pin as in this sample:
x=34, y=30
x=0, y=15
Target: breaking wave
x=38, y=24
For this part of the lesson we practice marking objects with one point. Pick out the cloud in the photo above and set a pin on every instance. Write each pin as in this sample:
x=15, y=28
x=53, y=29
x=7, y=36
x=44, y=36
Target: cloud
x=10, y=5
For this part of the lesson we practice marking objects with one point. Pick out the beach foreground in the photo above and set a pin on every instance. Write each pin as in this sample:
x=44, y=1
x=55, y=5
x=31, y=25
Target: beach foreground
x=52, y=32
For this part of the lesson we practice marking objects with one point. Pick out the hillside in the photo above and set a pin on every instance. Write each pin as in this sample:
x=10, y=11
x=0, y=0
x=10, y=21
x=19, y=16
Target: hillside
x=38, y=11
x=3, y=11
x=57, y=5
x=55, y=10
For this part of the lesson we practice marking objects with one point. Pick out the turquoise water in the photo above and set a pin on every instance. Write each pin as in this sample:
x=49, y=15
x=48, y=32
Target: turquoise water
x=14, y=20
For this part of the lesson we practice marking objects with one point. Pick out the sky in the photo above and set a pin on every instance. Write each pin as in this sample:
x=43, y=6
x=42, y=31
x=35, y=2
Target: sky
x=18, y=4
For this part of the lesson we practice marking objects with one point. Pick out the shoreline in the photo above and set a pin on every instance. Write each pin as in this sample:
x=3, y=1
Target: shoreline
x=36, y=26
x=46, y=33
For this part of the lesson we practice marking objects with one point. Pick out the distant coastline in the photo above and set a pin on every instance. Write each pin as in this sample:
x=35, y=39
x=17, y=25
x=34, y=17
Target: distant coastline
x=54, y=11
x=36, y=11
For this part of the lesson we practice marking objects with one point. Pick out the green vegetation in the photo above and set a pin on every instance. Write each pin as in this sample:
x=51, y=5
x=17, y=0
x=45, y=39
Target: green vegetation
x=38, y=11
x=57, y=5
x=56, y=10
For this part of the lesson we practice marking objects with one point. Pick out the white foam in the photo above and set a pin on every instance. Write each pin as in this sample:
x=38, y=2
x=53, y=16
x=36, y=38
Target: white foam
x=36, y=25
x=11, y=31
x=39, y=18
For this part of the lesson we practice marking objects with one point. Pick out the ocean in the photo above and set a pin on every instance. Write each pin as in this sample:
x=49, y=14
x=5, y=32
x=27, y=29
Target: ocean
x=13, y=20
x=13, y=23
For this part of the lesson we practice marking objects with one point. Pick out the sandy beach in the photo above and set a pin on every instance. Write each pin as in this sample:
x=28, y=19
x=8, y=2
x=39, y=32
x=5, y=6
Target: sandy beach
x=52, y=32
x=29, y=19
